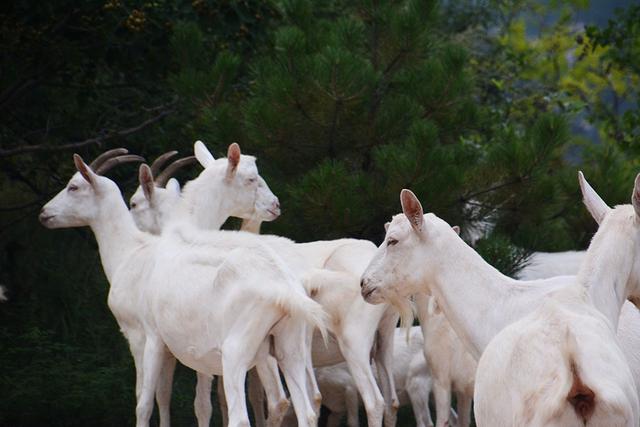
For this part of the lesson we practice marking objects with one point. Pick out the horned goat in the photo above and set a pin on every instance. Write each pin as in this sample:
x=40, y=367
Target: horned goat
x=152, y=207
x=175, y=275
x=346, y=255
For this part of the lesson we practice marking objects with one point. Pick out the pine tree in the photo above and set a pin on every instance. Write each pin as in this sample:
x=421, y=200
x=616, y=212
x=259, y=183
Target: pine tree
x=351, y=104
x=346, y=108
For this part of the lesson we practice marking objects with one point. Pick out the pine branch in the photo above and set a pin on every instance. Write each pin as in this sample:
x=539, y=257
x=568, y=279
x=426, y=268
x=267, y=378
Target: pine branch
x=384, y=84
x=106, y=135
x=467, y=197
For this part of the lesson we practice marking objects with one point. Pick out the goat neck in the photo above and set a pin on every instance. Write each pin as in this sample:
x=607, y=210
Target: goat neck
x=478, y=299
x=116, y=234
x=607, y=271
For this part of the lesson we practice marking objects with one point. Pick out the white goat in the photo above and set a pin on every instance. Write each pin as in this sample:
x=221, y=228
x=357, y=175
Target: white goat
x=353, y=323
x=361, y=322
x=428, y=255
x=413, y=383
x=152, y=207
x=175, y=275
x=548, y=264
x=207, y=209
x=452, y=367
x=542, y=265
x=573, y=327
x=409, y=262
x=148, y=204
x=356, y=328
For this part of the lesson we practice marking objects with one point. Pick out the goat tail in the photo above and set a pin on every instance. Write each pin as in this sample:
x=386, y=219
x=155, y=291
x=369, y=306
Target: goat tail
x=300, y=306
x=580, y=396
x=573, y=390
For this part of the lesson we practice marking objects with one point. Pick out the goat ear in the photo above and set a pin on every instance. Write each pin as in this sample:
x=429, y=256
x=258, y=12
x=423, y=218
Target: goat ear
x=386, y=226
x=203, y=155
x=412, y=209
x=595, y=205
x=456, y=228
x=84, y=170
x=233, y=156
x=635, y=197
x=146, y=181
x=173, y=185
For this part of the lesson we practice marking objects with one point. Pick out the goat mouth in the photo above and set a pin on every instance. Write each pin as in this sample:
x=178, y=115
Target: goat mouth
x=275, y=214
x=44, y=219
x=367, y=293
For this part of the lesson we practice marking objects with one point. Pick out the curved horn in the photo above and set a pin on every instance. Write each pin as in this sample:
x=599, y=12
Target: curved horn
x=157, y=164
x=114, y=161
x=162, y=179
x=98, y=161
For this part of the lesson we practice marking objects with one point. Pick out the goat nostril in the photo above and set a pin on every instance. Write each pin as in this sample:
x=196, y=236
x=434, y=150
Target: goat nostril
x=362, y=284
x=43, y=217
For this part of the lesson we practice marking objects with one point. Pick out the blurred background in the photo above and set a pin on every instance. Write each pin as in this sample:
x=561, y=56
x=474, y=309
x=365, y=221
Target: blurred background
x=485, y=109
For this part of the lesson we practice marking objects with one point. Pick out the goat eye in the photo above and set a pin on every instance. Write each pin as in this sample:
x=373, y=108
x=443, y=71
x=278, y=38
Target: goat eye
x=391, y=241
x=133, y=205
x=72, y=188
x=252, y=180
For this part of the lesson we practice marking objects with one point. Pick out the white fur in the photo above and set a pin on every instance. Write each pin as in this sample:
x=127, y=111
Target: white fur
x=247, y=193
x=437, y=261
x=210, y=199
x=549, y=264
x=156, y=207
x=168, y=280
x=471, y=311
x=542, y=265
x=151, y=215
x=526, y=374
x=355, y=324
x=413, y=382
x=360, y=324
x=207, y=201
x=332, y=270
x=452, y=368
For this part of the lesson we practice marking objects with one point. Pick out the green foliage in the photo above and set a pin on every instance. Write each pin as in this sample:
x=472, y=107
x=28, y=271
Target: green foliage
x=498, y=251
x=618, y=46
x=372, y=100
x=44, y=376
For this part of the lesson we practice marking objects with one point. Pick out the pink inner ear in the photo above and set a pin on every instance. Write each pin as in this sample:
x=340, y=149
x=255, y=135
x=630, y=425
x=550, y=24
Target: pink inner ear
x=233, y=154
x=411, y=207
x=82, y=168
x=144, y=174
